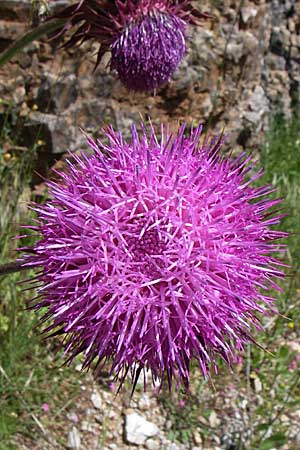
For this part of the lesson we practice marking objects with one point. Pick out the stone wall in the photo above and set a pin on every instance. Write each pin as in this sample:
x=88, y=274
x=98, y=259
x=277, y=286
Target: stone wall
x=241, y=68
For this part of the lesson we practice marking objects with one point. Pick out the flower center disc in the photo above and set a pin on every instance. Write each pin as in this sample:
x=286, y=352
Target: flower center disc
x=147, y=249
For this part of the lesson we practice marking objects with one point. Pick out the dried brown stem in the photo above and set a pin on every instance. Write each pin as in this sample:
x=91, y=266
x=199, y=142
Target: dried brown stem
x=12, y=267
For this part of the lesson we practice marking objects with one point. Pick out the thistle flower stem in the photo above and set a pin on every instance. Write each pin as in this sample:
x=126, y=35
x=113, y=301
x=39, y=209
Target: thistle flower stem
x=25, y=40
x=12, y=267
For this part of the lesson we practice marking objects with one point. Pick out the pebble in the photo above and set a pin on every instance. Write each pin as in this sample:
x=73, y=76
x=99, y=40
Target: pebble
x=87, y=426
x=138, y=429
x=152, y=444
x=96, y=400
x=144, y=402
x=257, y=385
x=213, y=419
x=248, y=13
x=243, y=403
x=74, y=439
x=197, y=437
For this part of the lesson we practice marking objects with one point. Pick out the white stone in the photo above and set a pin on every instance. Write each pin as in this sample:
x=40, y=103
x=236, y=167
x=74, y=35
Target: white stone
x=257, y=385
x=96, y=400
x=152, y=444
x=248, y=13
x=295, y=347
x=138, y=429
x=74, y=439
x=197, y=437
x=87, y=426
x=144, y=402
x=243, y=404
x=213, y=419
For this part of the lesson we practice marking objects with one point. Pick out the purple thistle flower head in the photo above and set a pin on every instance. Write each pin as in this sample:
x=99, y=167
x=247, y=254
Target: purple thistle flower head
x=149, y=51
x=146, y=37
x=155, y=252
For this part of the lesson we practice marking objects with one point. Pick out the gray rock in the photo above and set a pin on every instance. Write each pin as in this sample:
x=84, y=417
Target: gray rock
x=258, y=100
x=57, y=127
x=253, y=117
x=235, y=51
x=258, y=106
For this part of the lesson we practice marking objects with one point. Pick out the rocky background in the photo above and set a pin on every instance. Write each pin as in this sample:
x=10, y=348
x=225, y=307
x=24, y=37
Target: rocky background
x=242, y=68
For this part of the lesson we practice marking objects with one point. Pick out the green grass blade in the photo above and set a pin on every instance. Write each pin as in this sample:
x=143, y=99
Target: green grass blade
x=29, y=37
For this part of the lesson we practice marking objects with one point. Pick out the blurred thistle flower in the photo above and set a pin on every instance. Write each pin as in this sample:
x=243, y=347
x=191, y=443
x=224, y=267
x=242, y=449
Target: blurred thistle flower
x=146, y=37
x=45, y=407
x=155, y=254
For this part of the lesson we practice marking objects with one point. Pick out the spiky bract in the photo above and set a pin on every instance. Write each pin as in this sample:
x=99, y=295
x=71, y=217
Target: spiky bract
x=154, y=252
x=146, y=37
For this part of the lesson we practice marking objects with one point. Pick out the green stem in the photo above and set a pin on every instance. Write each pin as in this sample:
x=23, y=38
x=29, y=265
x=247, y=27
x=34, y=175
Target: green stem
x=32, y=35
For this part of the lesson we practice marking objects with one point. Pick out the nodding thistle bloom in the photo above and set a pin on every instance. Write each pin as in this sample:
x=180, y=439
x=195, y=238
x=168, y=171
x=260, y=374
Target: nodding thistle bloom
x=147, y=38
x=155, y=252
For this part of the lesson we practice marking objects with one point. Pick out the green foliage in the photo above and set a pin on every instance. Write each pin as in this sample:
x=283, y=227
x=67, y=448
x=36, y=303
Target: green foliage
x=182, y=411
x=29, y=369
x=277, y=369
x=277, y=440
x=281, y=161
